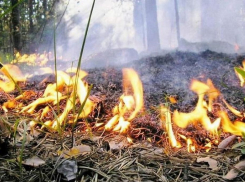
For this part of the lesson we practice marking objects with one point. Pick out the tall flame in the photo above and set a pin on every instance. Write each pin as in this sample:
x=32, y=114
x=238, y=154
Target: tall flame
x=130, y=102
x=200, y=112
x=167, y=124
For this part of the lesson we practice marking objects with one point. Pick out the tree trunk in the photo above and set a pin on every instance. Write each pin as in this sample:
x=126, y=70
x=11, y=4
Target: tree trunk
x=16, y=26
x=139, y=23
x=30, y=4
x=153, y=42
x=177, y=20
x=44, y=8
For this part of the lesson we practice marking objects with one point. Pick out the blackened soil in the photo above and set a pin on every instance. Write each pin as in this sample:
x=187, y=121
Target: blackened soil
x=171, y=74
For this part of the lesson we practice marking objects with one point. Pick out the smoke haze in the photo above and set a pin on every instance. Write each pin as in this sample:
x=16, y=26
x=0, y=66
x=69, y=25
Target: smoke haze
x=204, y=24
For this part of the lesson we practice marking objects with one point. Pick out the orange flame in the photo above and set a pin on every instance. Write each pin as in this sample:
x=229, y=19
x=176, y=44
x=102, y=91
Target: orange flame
x=200, y=112
x=130, y=102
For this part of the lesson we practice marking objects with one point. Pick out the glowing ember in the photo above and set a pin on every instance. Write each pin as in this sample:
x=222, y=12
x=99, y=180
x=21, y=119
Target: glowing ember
x=130, y=102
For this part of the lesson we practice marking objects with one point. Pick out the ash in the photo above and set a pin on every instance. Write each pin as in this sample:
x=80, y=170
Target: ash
x=171, y=74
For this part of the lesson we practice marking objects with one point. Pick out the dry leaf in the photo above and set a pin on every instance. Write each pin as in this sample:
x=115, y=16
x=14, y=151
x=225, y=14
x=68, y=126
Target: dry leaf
x=226, y=142
x=118, y=145
x=34, y=161
x=213, y=164
x=233, y=173
x=76, y=151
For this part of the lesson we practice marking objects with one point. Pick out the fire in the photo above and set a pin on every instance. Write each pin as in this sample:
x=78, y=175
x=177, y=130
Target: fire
x=54, y=93
x=200, y=112
x=130, y=102
x=236, y=127
x=11, y=74
x=167, y=124
x=236, y=47
x=32, y=59
x=241, y=78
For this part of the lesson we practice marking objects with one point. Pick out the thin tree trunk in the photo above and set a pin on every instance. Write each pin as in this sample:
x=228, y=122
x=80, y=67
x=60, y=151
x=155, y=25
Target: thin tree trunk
x=139, y=23
x=44, y=8
x=153, y=42
x=177, y=20
x=16, y=26
x=30, y=4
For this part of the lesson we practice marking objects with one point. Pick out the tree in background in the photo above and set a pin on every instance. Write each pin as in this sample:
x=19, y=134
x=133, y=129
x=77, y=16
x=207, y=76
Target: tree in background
x=16, y=26
x=22, y=24
x=152, y=32
x=176, y=7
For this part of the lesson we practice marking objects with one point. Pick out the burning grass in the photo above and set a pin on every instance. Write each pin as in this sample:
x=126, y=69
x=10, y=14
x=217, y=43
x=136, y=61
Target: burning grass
x=117, y=138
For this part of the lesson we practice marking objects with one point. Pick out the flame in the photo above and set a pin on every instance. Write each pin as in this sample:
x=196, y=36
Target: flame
x=11, y=75
x=190, y=144
x=32, y=59
x=65, y=85
x=200, y=112
x=236, y=47
x=242, y=81
x=233, y=110
x=236, y=127
x=130, y=102
x=167, y=123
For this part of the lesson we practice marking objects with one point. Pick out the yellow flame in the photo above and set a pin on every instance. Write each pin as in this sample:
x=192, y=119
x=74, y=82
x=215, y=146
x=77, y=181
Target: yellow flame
x=130, y=102
x=166, y=123
x=236, y=127
x=233, y=110
x=200, y=112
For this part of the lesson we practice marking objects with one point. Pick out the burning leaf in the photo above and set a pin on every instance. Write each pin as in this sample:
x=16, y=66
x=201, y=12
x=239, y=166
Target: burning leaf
x=213, y=164
x=34, y=161
x=233, y=173
x=69, y=169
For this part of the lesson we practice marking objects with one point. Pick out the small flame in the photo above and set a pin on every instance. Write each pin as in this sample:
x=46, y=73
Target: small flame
x=233, y=110
x=190, y=145
x=130, y=102
x=242, y=81
x=11, y=75
x=236, y=127
x=236, y=47
x=167, y=123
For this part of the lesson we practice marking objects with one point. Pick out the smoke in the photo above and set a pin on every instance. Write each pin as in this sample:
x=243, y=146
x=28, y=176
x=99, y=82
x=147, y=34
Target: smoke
x=215, y=25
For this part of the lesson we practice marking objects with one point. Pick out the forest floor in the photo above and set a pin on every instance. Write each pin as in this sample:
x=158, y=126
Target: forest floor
x=108, y=156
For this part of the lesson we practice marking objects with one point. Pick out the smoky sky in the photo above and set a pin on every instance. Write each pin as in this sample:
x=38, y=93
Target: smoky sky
x=114, y=24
